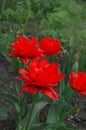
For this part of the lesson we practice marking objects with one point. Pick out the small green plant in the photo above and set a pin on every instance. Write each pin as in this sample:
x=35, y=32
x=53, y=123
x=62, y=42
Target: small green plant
x=17, y=17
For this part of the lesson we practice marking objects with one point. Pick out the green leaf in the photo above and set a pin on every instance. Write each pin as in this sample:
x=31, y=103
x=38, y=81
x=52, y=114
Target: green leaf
x=40, y=105
x=23, y=122
x=67, y=126
x=51, y=118
x=12, y=100
x=3, y=111
x=15, y=63
x=34, y=117
x=72, y=110
x=8, y=97
x=41, y=126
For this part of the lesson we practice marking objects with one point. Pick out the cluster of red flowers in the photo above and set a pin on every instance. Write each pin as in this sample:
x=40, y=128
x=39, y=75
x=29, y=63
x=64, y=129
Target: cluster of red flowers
x=40, y=75
x=27, y=49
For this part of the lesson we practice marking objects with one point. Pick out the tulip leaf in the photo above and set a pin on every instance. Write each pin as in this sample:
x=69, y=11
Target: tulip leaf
x=66, y=126
x=8, y=97
x=34, y=116
x=11, y=99
x=72, y=110
x=3, y=111
x=51, y=118
x=61, y=126
x=40, y=105
x=15, y=64
x=41, y=126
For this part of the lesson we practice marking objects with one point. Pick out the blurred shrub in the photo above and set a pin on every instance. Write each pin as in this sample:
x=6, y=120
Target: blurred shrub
x=17, y=18
x=5, y=41
x=66, y=22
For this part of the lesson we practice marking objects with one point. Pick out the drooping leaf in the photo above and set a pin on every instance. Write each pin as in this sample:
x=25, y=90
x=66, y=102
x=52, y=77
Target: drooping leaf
x=12, y=100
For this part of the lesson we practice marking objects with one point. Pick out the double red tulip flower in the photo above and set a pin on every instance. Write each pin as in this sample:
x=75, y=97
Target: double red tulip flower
x=41, y=76
x=50, y=46
x=25, y=49
x=78, y=82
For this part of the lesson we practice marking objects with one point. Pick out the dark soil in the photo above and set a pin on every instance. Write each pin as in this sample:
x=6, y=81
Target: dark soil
x=7, y=79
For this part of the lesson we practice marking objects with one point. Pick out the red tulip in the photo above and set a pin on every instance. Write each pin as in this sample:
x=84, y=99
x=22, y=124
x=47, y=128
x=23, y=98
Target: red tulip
x=41, y=76
x=24, y=48
x=50, y=46
x=78, y=82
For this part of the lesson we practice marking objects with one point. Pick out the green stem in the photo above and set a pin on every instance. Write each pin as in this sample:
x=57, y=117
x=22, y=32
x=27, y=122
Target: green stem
x=32, y=108
x=62, y=117
x=3, y=6
x=16, y=87
x=26, y=23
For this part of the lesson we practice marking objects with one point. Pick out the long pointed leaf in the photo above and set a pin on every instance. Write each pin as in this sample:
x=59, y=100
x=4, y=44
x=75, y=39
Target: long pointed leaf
x=12, y=100
x=40, y=105
x=3, y=111
x=34, y=115
x=41, y=126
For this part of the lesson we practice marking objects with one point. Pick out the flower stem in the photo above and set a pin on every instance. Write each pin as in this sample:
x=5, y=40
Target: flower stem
x=28, y=125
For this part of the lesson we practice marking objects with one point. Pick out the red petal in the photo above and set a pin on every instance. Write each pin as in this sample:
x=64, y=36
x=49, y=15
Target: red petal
x=25, y=74
x=25, y=60
x=29, y=89
x=32, y=65
x=61, y=76
x=50, y=92
x=33, y=41
x=12, y=54
x=53, y=67
x=21, y=38
x=83, y=92
x=22, y=78
x=22, y=71
x=43, y=63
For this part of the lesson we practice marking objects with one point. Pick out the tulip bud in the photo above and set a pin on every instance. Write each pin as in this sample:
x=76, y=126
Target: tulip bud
x=75, y=67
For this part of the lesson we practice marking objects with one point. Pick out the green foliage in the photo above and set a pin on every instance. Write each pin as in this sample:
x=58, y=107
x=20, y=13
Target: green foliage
x=44, y=7
x=18, y=16
x=5, y=40
x=66, y=22
x=82, y=63
x=60, y=110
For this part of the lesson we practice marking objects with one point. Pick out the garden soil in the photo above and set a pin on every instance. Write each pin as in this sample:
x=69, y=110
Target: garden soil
x=7, y=80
